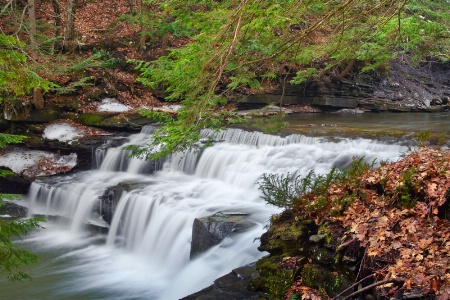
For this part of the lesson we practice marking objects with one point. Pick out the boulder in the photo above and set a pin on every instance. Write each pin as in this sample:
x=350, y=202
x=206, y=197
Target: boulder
x=14, y=184
x=108, y=203
x=12, y=210
x=210, y=231
x=111, y=196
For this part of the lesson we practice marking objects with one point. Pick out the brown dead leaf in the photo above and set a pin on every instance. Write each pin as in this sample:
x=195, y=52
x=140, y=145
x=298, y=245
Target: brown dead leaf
x=408, y=284
x=423, y=244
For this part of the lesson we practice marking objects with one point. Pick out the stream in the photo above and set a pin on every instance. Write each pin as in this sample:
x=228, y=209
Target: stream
x=145, y=253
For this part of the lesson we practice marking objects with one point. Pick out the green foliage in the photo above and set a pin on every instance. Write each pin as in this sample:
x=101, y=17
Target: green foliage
x=304, y=75
x=6, y=139
x=287, y=191
x=237, y=44
x=325, y=230
x=407, y=191
x=16, y=78
x=105, y=59
x=280, y=190
x=69, y=89
x=425, y=29
x=5, y=172
x=284, y=190
x=173, y=129
x=294, y=297
x=422, y=137
x=12, y=258
x=99, y=59
x=8, y=197
x=156, y=23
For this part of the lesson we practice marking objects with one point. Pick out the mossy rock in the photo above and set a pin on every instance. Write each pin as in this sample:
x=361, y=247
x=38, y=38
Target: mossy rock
x=66, y=102
x=106, y=120
x=274, y=280
x=318, y=277
x=35, y=116
x=285, y=238
x=322, y=255
x=101, y=120
x=92, y=119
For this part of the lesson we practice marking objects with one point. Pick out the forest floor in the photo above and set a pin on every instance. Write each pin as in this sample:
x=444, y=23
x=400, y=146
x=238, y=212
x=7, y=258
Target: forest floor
x=98, y=67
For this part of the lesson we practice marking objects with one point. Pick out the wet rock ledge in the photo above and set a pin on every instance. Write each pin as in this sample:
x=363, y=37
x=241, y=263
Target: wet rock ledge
x=234, y=286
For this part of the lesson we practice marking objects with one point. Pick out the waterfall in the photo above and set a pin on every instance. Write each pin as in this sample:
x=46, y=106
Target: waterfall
x=146, y=252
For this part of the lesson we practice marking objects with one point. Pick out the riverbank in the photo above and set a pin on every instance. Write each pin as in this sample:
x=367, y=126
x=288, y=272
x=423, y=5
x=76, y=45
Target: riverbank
x=382, y=234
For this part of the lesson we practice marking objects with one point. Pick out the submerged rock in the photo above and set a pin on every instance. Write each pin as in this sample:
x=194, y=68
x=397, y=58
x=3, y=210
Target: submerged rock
x=108, y=203
x=111, y=196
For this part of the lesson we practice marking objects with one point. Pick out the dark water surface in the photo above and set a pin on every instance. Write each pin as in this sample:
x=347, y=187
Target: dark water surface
x=369, y=125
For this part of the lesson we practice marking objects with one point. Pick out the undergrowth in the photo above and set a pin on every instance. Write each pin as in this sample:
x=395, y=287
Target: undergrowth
x=288, y=191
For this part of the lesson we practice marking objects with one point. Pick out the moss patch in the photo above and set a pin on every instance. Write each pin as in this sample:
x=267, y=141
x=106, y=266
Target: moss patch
x=287, y=237
x=318, y=277
x=91, y=119
x=274, y=280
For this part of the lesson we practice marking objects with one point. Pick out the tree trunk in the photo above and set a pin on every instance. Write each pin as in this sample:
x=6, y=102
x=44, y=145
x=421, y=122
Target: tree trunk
x=56, y=17
x=69, y=35
x=143, y=37
x=38, y=99
x=347, y=69
x=33, y=30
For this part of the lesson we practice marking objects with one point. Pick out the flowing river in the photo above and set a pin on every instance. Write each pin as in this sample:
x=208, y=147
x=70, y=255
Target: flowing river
x=145, y=253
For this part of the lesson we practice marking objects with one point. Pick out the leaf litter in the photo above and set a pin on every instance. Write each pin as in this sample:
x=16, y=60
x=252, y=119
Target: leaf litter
x=400, y=215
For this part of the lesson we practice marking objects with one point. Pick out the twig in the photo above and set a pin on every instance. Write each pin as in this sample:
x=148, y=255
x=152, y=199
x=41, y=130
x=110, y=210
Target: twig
x=6, y=7
x=346, y=244
x=363, y=262
x=390, y=280
x=352, y=286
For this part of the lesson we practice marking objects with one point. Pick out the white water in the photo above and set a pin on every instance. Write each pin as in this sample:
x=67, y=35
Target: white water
x=146, y=252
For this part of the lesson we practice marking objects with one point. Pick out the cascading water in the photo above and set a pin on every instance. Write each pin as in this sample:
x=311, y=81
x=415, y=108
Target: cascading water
x=146, y=252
